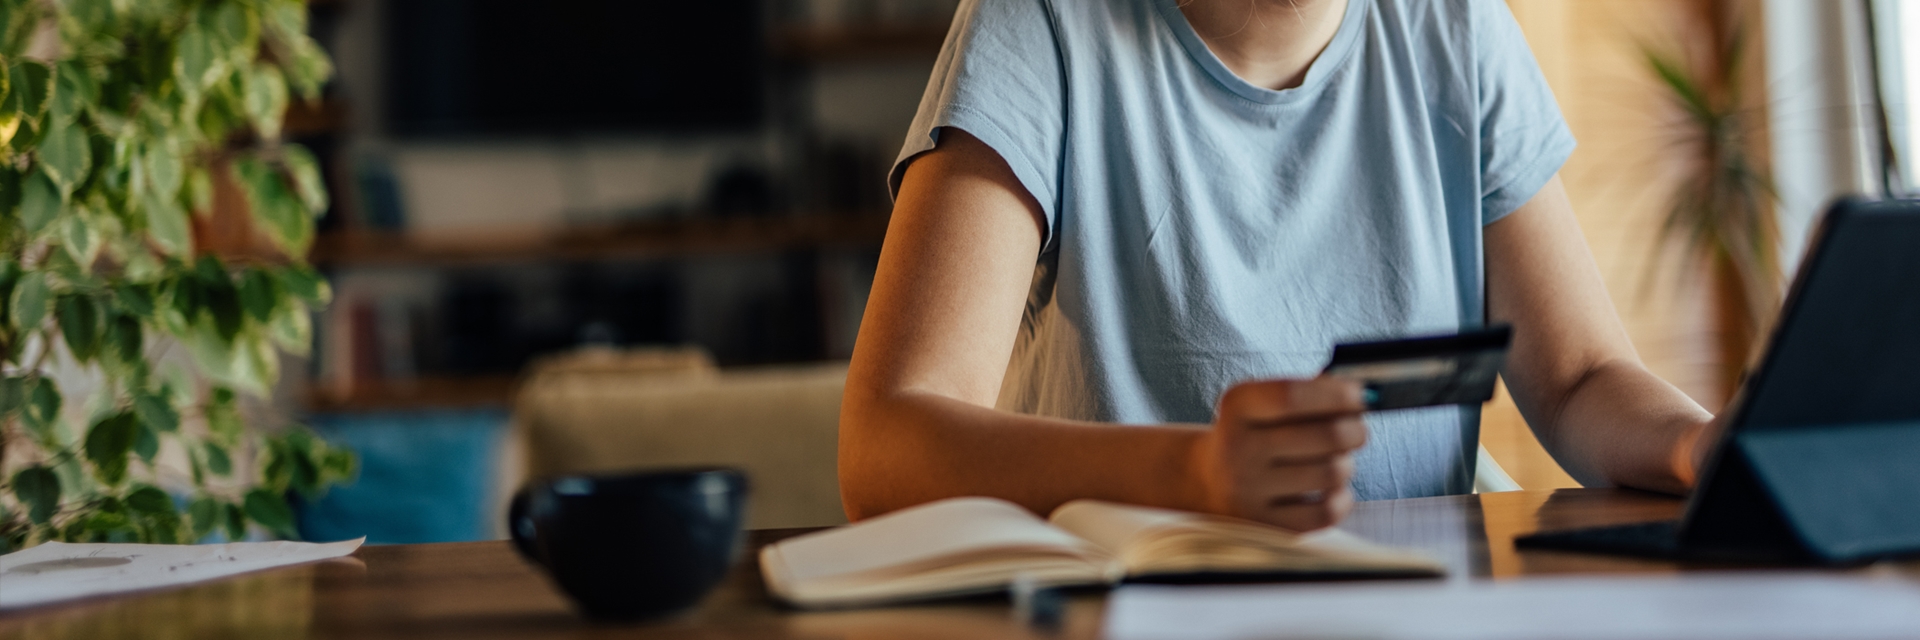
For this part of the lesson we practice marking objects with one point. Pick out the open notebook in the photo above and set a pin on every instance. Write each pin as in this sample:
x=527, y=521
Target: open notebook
x=966, y=546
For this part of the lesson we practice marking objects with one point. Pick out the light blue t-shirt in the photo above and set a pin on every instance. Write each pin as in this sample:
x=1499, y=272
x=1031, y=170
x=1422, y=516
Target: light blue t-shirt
x=1202, y=231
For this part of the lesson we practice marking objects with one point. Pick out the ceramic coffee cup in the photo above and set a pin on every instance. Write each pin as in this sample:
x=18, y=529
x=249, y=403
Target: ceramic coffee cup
x=632, y=546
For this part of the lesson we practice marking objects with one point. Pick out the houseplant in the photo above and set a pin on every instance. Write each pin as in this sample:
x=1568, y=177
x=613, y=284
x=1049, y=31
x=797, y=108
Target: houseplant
x=126, y=352
x=1721, y=214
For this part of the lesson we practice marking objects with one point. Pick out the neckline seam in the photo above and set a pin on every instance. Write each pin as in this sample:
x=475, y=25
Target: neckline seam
x=1321, y=73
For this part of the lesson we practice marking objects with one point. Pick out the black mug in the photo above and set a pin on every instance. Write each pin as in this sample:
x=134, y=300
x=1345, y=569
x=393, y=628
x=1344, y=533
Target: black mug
x=632, y=546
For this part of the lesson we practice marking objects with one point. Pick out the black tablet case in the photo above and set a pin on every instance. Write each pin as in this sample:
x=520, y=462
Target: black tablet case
x=1823, y=459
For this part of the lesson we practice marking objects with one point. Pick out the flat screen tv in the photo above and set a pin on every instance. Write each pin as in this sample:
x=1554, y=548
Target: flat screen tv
x=495, y=67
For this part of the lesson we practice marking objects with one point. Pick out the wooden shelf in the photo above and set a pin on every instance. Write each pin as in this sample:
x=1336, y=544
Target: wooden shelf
x=858, y=42
x=419, y=393
x=640, y=241
x=328, y=115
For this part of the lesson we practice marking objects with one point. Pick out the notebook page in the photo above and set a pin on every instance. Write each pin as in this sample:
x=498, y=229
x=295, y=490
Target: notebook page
x=952, y=527
x=1159, y=541
x=1113, y=526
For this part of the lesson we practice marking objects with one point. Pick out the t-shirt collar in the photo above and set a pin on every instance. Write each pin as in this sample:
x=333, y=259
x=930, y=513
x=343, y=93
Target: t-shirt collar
x=1344, y=41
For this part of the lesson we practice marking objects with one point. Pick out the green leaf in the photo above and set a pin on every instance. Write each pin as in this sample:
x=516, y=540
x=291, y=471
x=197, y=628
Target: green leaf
x=257, y=365
x=161, y=529
x=65, y=154
x=30, y=82
x=124, y=339
x=146, y=443
x=40, y=202
x=223, y=302
x=200, y=190
x=79, y=320
x=301, y=441
x=279, y=212
x=278, y=472
x=75, y=531
x=306, y=177
x=74, y=89
x=236, y=523
x=79, y=237
x=307, y=477
x=26, y=135
x=259, y=294
x=286, y=21
x=150, y=500
x=156, y=412
x=13, y=395
x=217, y=460
x=199, y=64
x=39, y=489
x=195, y=468
x=292, y=330
x=204, y=514
x=43, y=405
x=305, y=283
x=107, y=446
x=29, y=301
x=184, y=292
x=339, y=464
x=218, y=297
x=309, y=68
x=271, y=511
x=229, y=23
x=135, y=299
x=10, y=178
x=167, y=225
x=266, y=99
x=108, y=522
x=163, y=171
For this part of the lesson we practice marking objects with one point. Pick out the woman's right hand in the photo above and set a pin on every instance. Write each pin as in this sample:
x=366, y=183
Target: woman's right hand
x=1281, y=452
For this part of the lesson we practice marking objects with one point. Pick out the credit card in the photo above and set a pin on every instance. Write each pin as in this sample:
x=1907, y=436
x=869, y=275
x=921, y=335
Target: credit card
x=1426, y=371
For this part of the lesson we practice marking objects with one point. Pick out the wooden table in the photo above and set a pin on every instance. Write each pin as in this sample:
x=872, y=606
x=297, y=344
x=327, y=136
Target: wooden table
x=482, y=590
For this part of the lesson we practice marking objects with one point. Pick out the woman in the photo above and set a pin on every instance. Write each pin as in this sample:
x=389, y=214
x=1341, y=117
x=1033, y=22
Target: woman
x=1128, y=232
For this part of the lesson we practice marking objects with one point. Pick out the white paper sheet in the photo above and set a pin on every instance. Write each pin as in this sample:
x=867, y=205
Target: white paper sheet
x=60, y=571
x=1758, y=605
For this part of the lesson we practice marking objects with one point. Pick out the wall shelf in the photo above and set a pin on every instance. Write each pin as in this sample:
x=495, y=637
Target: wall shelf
x=858, y=42
x=693, y=236
x=320, y=117
x=434, y=392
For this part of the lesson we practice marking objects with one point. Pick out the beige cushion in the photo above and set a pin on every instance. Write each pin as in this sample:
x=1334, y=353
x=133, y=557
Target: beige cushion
x=779, y=424
x=590, y=361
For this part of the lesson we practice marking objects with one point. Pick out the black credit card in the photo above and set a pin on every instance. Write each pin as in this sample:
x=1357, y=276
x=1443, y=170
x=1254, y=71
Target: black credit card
x=1427, y=371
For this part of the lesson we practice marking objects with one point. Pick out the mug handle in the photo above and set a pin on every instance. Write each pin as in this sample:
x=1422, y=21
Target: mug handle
x=521, y=527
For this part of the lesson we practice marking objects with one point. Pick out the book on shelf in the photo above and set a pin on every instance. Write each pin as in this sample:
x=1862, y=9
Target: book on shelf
x=966, y=546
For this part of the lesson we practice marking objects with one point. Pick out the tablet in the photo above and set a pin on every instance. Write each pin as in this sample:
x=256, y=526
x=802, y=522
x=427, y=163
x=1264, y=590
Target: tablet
x=1821, y=457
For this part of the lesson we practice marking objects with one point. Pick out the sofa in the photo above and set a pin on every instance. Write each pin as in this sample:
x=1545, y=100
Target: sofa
x=602, y=410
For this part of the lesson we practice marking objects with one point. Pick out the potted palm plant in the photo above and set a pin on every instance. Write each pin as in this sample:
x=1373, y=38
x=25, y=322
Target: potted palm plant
x=1721, y=215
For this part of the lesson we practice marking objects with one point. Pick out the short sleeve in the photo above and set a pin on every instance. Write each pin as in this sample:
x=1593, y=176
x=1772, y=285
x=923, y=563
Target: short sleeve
x=1523, y=137
x=1000, y=78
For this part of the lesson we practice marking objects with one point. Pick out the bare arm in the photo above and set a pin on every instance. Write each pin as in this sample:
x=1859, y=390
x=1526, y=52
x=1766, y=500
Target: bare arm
x=1573, y=371
x=917, y=422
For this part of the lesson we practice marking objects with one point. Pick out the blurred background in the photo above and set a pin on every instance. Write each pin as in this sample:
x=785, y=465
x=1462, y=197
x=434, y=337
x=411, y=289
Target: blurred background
x=583, y=235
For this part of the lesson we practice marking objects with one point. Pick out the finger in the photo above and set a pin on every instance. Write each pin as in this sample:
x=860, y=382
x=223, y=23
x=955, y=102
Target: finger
x=1302, y=442
x=1281, y=401
x=1301, y=516
x=1297, y=479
